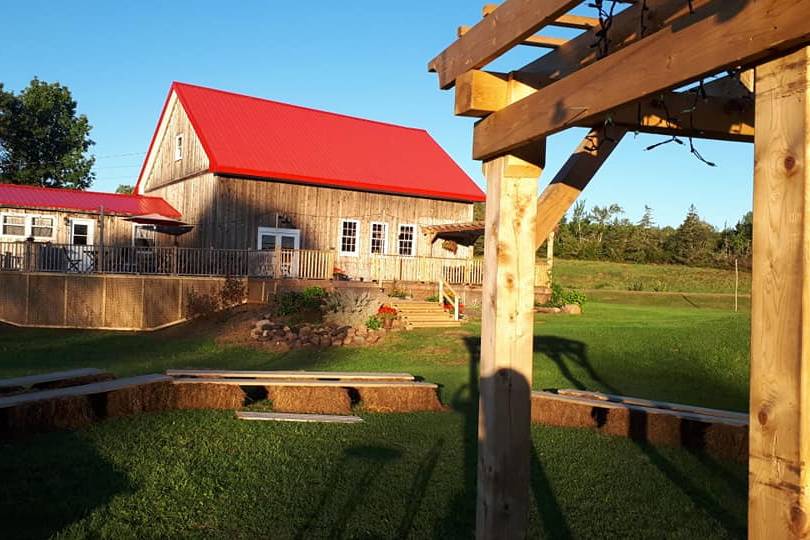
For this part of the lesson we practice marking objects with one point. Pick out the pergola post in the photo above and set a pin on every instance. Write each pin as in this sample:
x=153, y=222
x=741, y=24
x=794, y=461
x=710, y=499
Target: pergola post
x=507, y=322
x=780, y=331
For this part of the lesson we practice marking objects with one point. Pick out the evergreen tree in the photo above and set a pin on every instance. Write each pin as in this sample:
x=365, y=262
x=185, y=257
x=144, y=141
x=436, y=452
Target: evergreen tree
x=693, y=242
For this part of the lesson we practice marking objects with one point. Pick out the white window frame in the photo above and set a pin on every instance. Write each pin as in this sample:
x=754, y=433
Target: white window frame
x=28, y=226
x=357, y=236
x=179, y=143
x=136, y=226
x=413, y=240
x=278, y=233
x=384, y=237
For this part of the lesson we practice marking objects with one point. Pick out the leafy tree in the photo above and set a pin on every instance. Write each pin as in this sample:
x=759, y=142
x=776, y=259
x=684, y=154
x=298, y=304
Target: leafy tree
x=479, y=213
x=125, y=189
x=42, y=140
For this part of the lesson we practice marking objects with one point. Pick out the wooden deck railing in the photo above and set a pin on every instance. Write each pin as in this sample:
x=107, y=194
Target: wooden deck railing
x=281, y=263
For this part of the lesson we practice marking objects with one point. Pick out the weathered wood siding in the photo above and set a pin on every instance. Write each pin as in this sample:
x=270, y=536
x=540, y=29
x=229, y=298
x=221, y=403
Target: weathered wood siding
x=116, y=230
x=164, y=169
x=194, y=198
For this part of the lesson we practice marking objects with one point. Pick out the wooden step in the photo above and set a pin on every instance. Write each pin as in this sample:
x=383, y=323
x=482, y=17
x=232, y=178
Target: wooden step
x=289, y=375
x=443, y=324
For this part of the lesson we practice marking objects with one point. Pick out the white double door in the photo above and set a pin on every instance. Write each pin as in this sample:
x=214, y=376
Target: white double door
x=282, y=242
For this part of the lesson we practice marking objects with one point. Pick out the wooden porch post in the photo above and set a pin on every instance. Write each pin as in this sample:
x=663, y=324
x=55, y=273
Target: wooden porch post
x=506, y=348
x=780, y=313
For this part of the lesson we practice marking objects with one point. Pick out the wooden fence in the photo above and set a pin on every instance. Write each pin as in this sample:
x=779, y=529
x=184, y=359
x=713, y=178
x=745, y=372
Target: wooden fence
x=112, y=302
x=277, y=264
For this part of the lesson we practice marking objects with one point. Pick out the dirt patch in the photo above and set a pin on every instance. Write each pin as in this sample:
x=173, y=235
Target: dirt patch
x=399, y=399
x=310, y=399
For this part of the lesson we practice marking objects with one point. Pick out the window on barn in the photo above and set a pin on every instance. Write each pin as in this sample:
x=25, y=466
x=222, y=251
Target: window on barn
x=349, y=237
x=406, y=240
x=178, y=147
x=12, y=225
x=143, y=235
x=42, y=227
x=379, y=238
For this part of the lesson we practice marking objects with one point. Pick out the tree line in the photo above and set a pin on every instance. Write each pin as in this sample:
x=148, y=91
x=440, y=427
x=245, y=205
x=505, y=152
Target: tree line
x=603, y=233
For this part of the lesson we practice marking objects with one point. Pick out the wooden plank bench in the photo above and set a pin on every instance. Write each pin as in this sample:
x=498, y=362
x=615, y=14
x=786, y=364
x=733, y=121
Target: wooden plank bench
x=292, y=417
x=78, y=406
x=665, y=405
x=319, y=375
x=309, y=395
x=56, y=379
x=723, y=437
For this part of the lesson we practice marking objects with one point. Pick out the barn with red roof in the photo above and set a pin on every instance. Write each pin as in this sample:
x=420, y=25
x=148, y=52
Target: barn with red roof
x=250, y=173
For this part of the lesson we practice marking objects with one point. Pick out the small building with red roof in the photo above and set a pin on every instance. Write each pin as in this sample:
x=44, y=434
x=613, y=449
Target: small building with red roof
x=251, y=173
x=69, y=216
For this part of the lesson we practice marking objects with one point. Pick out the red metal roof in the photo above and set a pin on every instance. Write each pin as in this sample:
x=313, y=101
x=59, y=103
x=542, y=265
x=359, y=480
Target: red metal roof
x=19, y=196
x=253, y=137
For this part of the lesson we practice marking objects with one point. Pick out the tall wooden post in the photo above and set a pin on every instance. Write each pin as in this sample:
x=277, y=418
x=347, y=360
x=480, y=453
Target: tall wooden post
x=780, y=316
x=507, y=321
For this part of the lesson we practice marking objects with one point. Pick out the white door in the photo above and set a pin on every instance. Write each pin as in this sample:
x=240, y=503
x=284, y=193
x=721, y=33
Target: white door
x=289, y=242
x=81, y=254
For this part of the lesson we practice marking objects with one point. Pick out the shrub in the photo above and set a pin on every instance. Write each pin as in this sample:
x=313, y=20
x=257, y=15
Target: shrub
x=373, y=323
x=561, y=296
x=396, y=292
x=432, y=298
x=232, y=292
x=200, y=305
x=289, y=303
x=636, y=286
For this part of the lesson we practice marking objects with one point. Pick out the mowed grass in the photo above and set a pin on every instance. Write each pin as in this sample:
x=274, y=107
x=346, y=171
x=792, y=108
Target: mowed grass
x=205, y=474
x=647, y=277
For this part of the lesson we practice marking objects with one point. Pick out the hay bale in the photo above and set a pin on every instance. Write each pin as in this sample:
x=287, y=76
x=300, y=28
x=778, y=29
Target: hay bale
x=717, y=439
x=74, y=381
x=400, y=399
x=208, y=396
x=151, y=397
x=71, y=412
x=310, y=399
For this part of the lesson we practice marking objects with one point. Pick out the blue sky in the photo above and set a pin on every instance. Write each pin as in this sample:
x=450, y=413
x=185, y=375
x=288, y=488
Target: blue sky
x=364, y=58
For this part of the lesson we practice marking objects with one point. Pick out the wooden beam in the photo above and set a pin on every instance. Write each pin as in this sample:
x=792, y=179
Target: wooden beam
x=572, y=178
x=507, y=323
x=721, y=35
x=780, y=329
x=566, y=21
x=546, y=42
x=480, y=93
x=508, y=25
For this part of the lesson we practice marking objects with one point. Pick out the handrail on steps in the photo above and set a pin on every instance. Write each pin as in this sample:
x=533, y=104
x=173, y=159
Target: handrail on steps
x=452, y=297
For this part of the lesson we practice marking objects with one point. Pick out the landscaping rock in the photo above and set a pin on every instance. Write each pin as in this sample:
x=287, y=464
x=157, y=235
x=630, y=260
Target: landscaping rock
x=548, y=310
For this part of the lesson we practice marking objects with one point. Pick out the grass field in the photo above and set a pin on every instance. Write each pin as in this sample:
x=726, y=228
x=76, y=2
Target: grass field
x=204, y=474
x=647, y=277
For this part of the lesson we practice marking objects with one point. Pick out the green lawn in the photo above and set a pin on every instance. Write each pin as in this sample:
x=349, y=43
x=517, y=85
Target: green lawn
x=647, y=277
x=204, y=474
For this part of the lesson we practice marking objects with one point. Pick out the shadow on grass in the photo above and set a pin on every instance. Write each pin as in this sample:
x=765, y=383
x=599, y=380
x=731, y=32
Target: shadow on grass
x=361, y=465
x=52, y=482
x=567, y=354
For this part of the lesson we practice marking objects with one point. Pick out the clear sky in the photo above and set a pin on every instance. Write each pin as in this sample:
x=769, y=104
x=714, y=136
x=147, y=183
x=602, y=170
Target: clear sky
x=364, y=58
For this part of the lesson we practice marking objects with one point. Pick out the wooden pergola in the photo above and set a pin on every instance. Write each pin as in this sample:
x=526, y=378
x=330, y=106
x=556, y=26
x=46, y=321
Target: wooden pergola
x=626, y=71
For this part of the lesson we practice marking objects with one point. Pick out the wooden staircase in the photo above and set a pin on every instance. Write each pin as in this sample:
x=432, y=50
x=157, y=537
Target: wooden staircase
x=416, y=314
